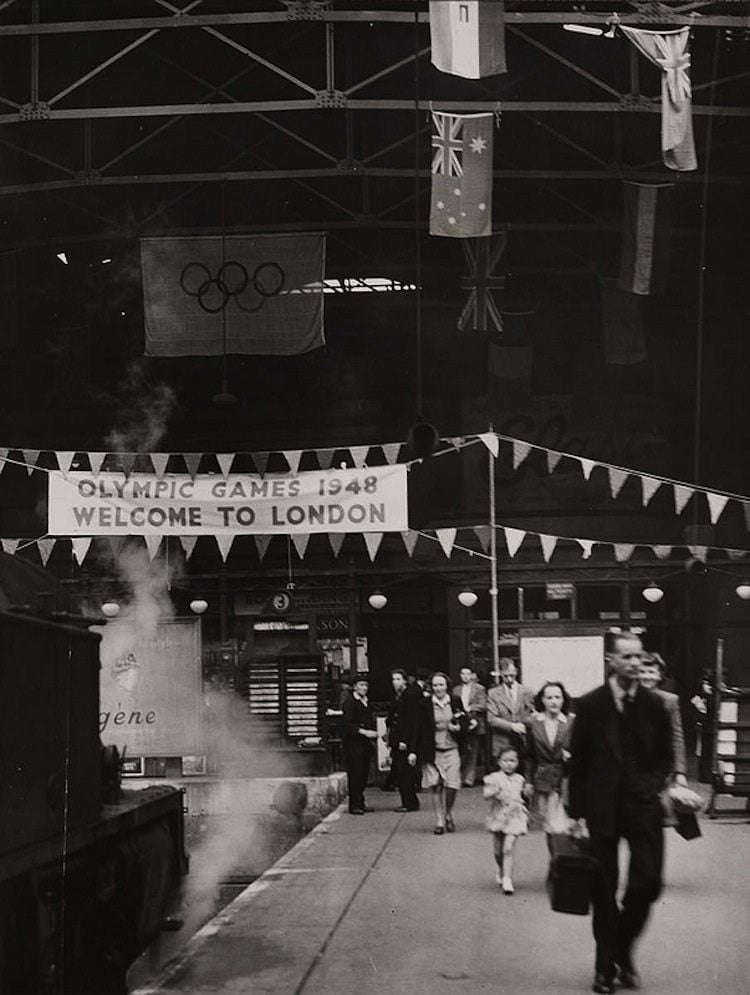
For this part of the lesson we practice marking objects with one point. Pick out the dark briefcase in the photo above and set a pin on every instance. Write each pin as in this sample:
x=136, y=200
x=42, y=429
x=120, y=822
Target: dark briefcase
x=571, y=875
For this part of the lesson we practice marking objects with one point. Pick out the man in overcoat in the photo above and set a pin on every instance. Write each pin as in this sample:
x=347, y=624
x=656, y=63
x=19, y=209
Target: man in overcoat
x=621, y=756
x=403, y=723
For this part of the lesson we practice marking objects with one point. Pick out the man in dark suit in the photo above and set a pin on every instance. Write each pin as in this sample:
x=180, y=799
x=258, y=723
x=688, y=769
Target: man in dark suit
x=470, y=698
x=621, y=756
x=357, y=740
x=403, y=738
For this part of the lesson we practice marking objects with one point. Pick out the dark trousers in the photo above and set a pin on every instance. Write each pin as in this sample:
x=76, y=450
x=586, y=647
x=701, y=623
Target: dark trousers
x=469, y=750
x=615, y=928
x=406, y=778
x=357, y=756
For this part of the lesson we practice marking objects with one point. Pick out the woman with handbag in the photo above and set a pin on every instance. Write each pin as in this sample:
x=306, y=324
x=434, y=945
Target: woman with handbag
x=547, y=752
x=441, y=771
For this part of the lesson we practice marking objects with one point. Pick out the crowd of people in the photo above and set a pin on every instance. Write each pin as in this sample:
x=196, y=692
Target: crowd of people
x=599, y=772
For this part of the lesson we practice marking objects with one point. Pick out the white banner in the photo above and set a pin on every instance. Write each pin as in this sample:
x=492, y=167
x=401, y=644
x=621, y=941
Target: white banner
x=346, y=500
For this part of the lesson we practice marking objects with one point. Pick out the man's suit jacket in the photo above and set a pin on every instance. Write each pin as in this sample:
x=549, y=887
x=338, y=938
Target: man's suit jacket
x=544, y=760
x=477, y=703
x=597, y=767
x=672, y=705
x=404, y=717
x=502, y=712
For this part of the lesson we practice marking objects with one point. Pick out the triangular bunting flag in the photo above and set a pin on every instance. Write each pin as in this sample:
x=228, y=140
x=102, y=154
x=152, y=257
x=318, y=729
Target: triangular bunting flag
x=10, y=545
x=64, y=460
x=359, y=455
x=682, y=495
x=410, y=538
x=513, y=539
x=115, y=544
x=716, y=504
x=587, y=546
x=391, y=451
x=96, y=460
x=293, y=456
x=491, y=441
x=548, y=546
x=188, y=545
x=225, y=461
x=446, y=538
x=736, y=554
x=30, y=457
x=152, y=545
x=336, y=540
x=587, y=465
x=325, y=458
x=160, y=461
x=3, y=459
x=372, y=541
x=261, y=462
x=617, y=480
x=192, y=462
x=80, y=548
x=520, y=451
x=224, y=541
x=300, y=543
x=483, y=534
x=553, y=459
x=127, y=462
x=663, y=552
x=650, y=486
x=262, y=542
x=457, y=441
x=45, y=547
x=699, y=552
x=623, y=551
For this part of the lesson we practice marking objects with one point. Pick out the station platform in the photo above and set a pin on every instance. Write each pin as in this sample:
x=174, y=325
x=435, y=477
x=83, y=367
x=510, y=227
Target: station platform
x=377, y=904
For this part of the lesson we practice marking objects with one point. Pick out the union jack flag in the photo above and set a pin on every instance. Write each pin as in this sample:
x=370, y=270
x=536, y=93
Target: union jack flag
x=481, y=310
x=447, y=143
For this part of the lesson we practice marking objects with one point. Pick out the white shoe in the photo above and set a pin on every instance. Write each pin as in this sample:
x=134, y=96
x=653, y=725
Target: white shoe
x=507, y=886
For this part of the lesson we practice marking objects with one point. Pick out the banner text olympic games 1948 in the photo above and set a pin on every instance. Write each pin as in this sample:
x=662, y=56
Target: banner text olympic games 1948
x=373, y=499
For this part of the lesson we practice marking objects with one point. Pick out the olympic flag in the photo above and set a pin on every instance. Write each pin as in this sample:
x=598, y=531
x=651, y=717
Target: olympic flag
x=372, y=499
x=257, y=295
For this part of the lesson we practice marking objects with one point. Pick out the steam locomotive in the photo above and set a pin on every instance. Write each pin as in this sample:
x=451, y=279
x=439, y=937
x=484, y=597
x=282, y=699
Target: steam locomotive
x=87, y=870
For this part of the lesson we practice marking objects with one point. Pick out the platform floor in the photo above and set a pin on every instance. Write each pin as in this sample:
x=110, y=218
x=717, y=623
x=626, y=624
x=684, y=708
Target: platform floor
x=378, y=904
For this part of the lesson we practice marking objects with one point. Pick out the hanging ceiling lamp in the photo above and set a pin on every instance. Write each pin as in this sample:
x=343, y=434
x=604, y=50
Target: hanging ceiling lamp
x=652, y=592
x=467, y=597
x=377, y=600
x=743, y=590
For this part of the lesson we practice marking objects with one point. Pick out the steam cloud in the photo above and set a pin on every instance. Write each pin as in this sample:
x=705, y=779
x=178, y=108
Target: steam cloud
x=144, y=412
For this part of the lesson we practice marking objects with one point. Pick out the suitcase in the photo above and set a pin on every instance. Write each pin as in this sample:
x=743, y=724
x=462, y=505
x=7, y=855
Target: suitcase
x=571, y=875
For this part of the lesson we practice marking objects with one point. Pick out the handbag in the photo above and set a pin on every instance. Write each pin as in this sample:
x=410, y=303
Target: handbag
x=572, y=871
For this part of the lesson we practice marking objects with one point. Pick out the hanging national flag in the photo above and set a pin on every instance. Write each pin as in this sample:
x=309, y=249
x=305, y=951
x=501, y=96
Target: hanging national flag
x=669, y=51
x=481, y=310
x=645, y=237
x=624, y=342
x=255, y=295
x=468, y=38
x=461, y=204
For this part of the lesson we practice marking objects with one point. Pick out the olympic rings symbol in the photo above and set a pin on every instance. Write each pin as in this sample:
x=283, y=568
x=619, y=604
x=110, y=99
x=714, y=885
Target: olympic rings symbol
x=214, y=293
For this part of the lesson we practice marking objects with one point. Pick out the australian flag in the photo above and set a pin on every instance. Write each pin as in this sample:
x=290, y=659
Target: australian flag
x=461, y=205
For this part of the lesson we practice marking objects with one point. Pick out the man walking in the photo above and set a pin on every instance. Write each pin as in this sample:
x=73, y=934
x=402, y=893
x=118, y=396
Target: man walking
x=471, y=698
x=357, y=740
x=403, y=738
x=621, y=755
x=508, y=706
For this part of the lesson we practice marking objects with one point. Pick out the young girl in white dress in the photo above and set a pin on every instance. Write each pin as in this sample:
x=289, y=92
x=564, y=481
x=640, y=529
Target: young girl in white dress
x=507, y=818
